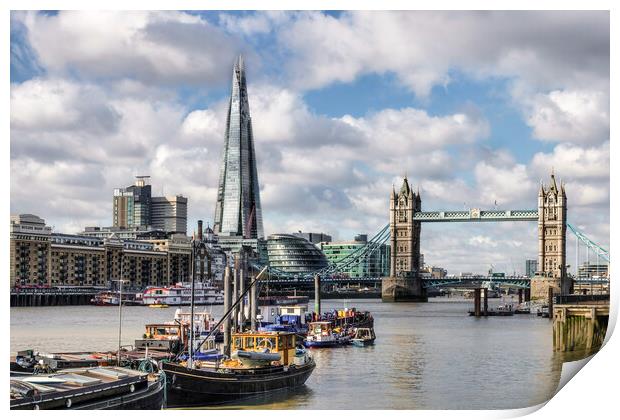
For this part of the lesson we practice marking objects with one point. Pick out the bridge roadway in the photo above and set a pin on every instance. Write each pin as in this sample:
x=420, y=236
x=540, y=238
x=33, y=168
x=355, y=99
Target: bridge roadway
x=477, y=215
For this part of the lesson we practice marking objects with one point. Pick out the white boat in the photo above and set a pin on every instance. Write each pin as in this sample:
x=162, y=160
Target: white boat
x=181, y=294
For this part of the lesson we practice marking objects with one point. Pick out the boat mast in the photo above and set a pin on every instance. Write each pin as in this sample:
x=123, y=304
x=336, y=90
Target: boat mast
x=190, y=360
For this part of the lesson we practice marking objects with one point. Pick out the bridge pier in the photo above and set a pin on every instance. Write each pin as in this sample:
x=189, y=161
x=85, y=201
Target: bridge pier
x=403, y=289
x=486, y=301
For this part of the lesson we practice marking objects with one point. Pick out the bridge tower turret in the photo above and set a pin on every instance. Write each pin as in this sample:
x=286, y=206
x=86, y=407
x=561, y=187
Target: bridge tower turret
x=404, y=283
x=551, y=241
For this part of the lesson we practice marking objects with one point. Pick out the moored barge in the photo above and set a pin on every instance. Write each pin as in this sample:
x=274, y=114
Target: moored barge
x=210, y=383
x=97, y=388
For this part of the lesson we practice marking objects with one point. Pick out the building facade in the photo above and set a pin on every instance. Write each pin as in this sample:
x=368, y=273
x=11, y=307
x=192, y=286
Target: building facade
x=169, y=214
x=531, y=267
x=40, y=257
x=29, y=249
x=238, y=210
x=375, y=265
x=122, y=208
x=593, y=270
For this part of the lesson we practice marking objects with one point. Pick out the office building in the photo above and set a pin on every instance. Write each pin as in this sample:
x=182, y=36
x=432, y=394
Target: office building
x=593, y=270
x=295, y=255
x=314, y=238
x=131, y=206
x=169, y=214
x=375, y=265
x=531, y=267
x=238, y=211
x=135, y=210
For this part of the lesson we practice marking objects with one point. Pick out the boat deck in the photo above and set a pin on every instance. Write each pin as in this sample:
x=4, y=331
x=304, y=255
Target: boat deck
x=78, y=388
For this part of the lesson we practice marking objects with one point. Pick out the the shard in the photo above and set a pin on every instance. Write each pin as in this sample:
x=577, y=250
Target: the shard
x=238, y=211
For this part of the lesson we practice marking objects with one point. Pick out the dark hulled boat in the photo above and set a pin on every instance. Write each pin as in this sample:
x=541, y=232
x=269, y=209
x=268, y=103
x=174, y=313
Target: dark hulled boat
x=200, y=387
x=239, y=378
x=99, y=388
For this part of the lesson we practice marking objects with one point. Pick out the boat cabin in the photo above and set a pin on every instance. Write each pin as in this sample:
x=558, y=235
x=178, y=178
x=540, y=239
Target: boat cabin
x=275, y=314
x=276, y=342
x=168, y=337
x=320, y=328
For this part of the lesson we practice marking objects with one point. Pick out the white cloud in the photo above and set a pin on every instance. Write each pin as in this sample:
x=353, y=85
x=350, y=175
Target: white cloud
x=575, y=162
x=580, y=116
x=155, y=47
x=480, y=240
x=499, y=180
x=543, y=49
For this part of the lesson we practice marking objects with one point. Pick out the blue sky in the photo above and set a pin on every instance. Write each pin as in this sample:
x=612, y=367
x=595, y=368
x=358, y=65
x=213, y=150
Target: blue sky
x=473, y=107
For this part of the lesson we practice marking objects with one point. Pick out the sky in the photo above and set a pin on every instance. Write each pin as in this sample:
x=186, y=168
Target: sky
x=475, y=108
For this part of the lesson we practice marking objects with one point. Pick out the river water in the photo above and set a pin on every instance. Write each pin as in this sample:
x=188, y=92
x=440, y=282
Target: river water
x=426, y=356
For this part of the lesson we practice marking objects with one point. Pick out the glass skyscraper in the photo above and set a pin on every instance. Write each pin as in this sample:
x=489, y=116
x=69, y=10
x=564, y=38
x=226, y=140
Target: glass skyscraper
x=238, y=211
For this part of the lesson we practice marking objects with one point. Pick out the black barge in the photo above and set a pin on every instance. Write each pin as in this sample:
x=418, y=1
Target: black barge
x=261, y=363
x=98, y=388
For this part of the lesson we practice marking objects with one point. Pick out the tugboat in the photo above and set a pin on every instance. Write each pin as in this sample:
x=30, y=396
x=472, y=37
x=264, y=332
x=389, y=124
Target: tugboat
x=323, y=334
x=363, y=337
x=261, y=362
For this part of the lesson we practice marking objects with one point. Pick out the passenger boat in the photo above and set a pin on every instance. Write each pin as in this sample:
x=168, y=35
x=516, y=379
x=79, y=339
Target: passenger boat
x=180, y=294
x=251, y=372
x=96, y=388
x=323, y=334
x=363, y=337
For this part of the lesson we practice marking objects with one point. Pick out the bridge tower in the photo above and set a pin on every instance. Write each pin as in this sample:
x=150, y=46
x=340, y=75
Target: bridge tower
x=404, y=283
x=551, y=242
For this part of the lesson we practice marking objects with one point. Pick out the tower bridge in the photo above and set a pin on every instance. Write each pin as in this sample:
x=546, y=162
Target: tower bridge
x=406, y=218
x=403, y=233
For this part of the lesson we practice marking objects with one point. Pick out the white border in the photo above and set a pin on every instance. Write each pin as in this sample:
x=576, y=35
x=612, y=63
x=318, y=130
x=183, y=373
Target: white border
x=591, y=394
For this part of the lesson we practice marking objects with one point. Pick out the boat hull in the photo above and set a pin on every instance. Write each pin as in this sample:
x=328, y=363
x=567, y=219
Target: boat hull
x=195, y=387
x=323, y=344
x=362, y=343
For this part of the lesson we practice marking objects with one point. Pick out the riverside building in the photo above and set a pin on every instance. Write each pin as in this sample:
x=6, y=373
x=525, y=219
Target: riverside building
x=42, y=258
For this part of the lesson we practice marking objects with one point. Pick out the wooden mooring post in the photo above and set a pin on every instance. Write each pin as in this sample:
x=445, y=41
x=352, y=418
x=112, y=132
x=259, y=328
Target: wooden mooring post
x=579, y=326
x=477, y=292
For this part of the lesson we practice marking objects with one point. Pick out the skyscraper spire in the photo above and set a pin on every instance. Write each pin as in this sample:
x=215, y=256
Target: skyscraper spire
x=238, y=210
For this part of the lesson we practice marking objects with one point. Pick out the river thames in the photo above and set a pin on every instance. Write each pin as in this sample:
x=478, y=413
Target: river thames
x=426, y=356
